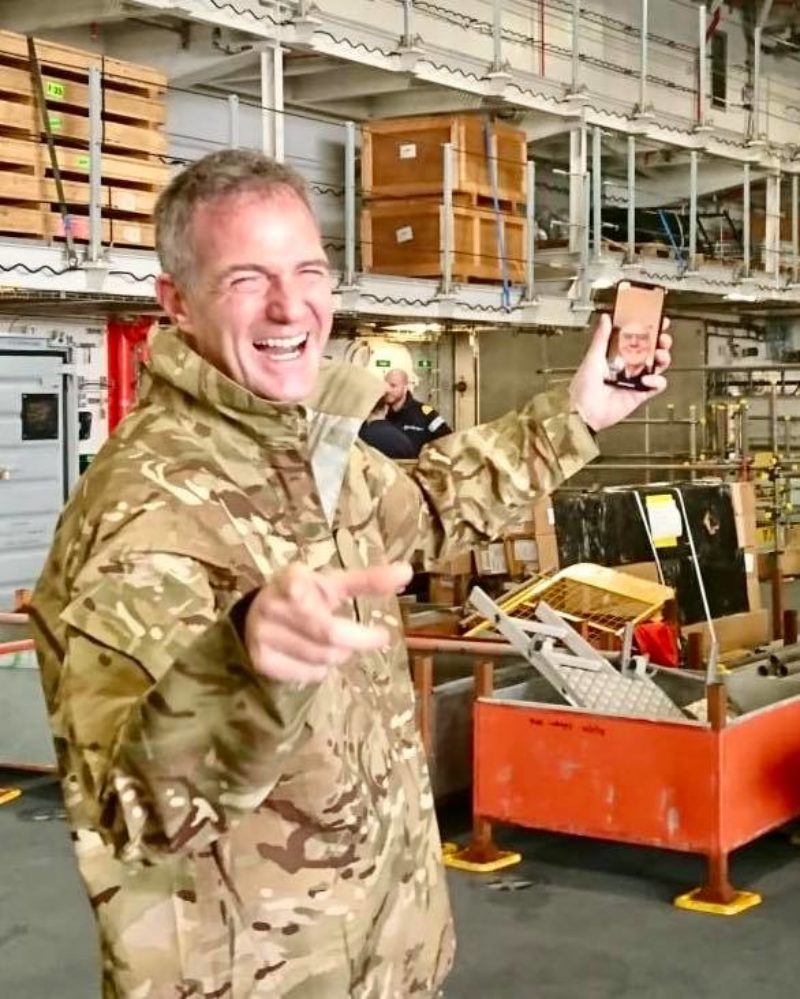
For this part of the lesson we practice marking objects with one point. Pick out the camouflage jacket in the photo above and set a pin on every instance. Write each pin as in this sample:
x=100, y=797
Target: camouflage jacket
x=238, y=836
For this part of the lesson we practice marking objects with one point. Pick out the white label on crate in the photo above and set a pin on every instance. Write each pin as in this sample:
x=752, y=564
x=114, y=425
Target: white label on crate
x=407, y=151
x=404, y=234
x=526, y=550
x=493, y=559
x=551, y=516
x=749, y=562
x=126, y=201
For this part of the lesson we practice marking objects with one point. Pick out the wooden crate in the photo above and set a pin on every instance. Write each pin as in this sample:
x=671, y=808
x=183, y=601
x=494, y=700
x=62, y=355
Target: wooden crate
x=402, y=157
x=404, y=238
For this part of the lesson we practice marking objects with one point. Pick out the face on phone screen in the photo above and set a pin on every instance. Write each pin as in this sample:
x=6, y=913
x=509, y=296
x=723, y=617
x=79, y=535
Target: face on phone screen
x=635, y=325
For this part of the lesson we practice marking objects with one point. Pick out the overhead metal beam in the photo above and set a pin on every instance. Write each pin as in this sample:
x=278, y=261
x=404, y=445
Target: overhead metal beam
x=217, y=68
x=345, y=83
x=32, y=16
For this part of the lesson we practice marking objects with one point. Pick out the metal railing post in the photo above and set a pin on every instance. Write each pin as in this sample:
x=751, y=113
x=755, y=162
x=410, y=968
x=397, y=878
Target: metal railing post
x=447, y=227
x=795, y=229
x=95, y=164
x=530, y=217
x=597, y=190
x=631, y=199
x=645, y=19
x=233, y=121
x=350, y=205
x=693, y=210
x=576, y=38
x=746, y=220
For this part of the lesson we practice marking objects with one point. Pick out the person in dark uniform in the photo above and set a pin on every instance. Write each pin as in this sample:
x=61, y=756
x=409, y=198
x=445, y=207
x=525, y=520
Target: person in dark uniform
x=418, y=421
x=384, y=436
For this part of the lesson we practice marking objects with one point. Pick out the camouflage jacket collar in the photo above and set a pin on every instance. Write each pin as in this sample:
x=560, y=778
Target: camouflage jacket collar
x=342, y=390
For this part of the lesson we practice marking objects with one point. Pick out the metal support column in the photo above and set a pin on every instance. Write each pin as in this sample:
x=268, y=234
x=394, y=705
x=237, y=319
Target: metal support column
x=576, y=39
x=795, y=230
x=746, y=221
x=233, y=121
x=585, y=285
x=349, y=275
x=755, y=117
x=693, y=210
x=772, y=228
x=272, y=102
x=95, y=164
x=447, y=228
x=530, y=218
x=408, y=38
x=577, y=169
x=631, y=253
x=497, y=36
x=645, y=19
x=597, y=191
x=702, y=67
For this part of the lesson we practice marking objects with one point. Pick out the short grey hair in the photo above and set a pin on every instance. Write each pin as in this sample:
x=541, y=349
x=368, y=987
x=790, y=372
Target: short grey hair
x=223, y=174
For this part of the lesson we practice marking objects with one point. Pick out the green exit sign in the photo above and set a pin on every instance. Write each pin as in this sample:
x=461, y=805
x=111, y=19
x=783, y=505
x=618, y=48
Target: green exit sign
x=425, y=363
x=383, y=364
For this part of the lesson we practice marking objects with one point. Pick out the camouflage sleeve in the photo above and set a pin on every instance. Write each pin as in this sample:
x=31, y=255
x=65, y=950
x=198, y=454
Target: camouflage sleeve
x=472, y=485
x=174, y=732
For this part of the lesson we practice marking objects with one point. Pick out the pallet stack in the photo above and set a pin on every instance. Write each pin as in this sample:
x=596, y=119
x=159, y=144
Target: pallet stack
x=402, y=169
x=133, y=143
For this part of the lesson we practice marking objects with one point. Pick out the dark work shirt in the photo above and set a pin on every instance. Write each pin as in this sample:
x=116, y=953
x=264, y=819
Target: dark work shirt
x=419, y=422
x=387, y=438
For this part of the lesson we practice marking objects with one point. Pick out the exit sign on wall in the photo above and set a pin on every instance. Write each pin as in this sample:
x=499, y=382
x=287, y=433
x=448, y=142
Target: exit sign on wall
x=382, y=364
x=425, y=363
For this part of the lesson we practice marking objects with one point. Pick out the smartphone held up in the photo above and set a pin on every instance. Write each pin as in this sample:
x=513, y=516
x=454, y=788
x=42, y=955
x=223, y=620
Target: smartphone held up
x=635, y=325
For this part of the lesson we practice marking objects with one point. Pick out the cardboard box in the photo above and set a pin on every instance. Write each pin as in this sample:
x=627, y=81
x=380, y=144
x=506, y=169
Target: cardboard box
x=527, y=555
x=738, y=631
x=457, y=565
x=490, y=559
x=743, y=499
x=753, y=584
x=450, y=591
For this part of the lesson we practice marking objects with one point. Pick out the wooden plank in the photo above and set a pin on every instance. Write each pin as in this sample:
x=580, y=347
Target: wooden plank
x=28, y=187
x=44, y=224
x=52, y=56
x=25, y=117
x=63, y=93
x=22, y=221
x=120, y=232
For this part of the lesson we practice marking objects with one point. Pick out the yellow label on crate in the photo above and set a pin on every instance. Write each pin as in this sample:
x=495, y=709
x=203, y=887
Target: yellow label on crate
x=56, y=122
x=54, y=89
x=666, y=524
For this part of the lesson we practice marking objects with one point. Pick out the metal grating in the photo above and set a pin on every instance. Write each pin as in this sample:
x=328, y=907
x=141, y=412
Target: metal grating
x=604, y=600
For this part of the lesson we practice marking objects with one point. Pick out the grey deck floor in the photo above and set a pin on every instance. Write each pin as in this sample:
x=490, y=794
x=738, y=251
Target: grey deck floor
x=594, y=923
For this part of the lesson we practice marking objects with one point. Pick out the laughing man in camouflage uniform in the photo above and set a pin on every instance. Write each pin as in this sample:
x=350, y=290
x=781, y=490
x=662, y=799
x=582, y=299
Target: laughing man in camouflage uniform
x=219, y=638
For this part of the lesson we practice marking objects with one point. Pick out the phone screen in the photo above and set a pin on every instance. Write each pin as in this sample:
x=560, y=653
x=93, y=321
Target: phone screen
x=636, y=321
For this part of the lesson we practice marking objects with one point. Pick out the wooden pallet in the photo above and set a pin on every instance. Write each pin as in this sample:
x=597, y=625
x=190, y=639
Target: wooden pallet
x=28, y=188
x=404, y=238
x=44, y=223
x=65, y=94
x=69, y=63
x=19, y=119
